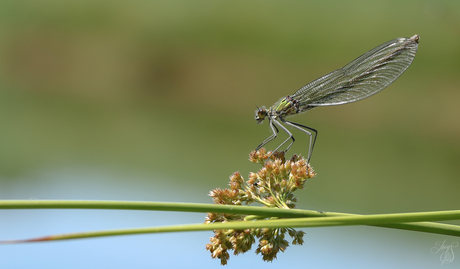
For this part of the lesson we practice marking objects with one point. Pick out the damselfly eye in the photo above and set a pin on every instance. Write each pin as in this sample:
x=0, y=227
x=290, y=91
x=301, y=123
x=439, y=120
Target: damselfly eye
x=261, y=113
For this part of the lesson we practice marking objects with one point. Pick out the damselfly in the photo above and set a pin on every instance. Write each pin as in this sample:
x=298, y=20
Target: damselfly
x=365, y=76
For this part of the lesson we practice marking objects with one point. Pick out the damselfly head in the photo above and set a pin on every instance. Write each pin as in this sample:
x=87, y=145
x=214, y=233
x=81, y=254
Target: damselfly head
x=261, y=113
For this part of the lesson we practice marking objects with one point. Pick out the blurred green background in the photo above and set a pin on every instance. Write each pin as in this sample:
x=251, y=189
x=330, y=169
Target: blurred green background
x=155, y=100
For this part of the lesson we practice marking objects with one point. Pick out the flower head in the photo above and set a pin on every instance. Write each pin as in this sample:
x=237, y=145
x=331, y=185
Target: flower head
x=272, y=186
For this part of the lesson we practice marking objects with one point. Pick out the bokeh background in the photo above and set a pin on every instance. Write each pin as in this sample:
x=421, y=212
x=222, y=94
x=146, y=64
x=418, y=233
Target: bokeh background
x=154, y=101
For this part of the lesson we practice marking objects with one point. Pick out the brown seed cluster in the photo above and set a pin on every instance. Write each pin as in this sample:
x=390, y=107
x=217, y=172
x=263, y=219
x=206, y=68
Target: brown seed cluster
x=272, y=186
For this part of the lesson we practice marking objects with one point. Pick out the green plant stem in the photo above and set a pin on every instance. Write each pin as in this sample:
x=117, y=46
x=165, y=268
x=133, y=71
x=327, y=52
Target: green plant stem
x=297, y=218
x=292, y=223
